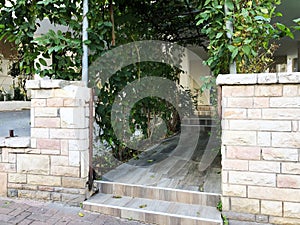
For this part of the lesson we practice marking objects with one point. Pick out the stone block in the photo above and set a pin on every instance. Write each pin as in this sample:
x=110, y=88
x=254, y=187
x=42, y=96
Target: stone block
x=284, y=221
x=234, y=113
x=273, y=208
x=17, y=178
x=288, y=181
x=43, y=180
x=33, y=84
x=233, y=164
x=67, y=133
x=264, y=166
x=3, y=186
x=50, y=152
x=234, y=190
x=260, y=125
x=51, y=84
x=74, y=158
x=281, y=114
x=38, y=103
x=69, y=102
x=234, y=79
x=47, y=122
x=261, y=102
x=65, y=171
x=290, y=90
x=245, y=205
x=41, y=94
x=274, y=194
x=78, y=145
x=70, y=182
x=34, y=164
x=239, y=138
x=268, y=90
x=42, y=195
x=264, y=139
x=84, y=162
x=267, y=78
x=286, y=139
x=239, y=216
x=73, y=118
x=261, y=218
x=27, y=194
x=225, y=203
x=243, y=152
x=280, y=154
x=48, y=144
x=252, y=178
x=59, y=160
x=285, y=102
x=238, y=91
x=17, y=142
x=291, y=168
x=40, y=133
x=55, y=102
x=46, y=112
x=292, y=209
x=239, y=102
x=289, y=78
x=254, y=113
x=8, y=167
x=64, y=150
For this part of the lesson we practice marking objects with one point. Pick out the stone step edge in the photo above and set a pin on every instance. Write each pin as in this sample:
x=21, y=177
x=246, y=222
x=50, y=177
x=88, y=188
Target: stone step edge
x=87, y=203
x=159, y=193
x=160, y=188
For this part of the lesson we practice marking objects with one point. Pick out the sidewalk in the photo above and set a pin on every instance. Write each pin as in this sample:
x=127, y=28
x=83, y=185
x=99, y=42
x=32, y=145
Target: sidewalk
x=24, y=212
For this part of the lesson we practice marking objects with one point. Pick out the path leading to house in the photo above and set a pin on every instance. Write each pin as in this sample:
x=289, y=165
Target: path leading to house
x=25, y=212
x=172, y=164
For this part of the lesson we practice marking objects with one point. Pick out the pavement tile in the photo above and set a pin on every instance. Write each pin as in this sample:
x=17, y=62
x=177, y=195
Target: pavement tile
x=25, y=222
x=28, y=212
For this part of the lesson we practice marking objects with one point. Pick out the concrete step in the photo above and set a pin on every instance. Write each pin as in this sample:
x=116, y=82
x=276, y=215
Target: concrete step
x=153, y=211
x=159, y=193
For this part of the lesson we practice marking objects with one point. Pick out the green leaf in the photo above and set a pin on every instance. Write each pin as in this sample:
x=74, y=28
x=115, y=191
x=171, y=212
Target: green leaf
x=229, y=4
x=220, y=34
x=247, y=50
x=297, y=20
x=43, y=61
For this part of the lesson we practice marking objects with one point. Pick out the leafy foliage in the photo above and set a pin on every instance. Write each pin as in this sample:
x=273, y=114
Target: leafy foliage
x=111, y=23
x=249, y=43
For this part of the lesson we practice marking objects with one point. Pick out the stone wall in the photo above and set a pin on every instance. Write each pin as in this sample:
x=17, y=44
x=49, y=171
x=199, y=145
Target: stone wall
x=261, y=148
x=55, y=165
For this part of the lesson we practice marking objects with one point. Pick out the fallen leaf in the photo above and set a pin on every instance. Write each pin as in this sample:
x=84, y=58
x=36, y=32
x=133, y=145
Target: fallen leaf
x=117, y=196
x=80, y=214
x=143, y=206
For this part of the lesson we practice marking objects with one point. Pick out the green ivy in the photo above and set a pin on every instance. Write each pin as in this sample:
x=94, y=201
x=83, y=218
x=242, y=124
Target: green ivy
x=250, y=43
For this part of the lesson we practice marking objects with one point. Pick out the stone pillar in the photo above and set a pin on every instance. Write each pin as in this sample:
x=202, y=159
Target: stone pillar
x=260, y=148
x=55, y=167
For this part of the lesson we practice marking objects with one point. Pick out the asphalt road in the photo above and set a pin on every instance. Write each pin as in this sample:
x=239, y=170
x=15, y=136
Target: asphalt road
x=19, y=121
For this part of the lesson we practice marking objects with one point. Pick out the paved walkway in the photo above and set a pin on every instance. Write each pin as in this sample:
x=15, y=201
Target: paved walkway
x=24, y=212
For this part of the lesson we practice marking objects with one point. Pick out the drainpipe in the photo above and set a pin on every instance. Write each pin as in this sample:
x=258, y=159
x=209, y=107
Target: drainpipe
x=229, y=26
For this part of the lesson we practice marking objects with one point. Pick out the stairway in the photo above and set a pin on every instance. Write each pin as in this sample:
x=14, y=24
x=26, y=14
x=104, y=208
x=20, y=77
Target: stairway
x=155, y=205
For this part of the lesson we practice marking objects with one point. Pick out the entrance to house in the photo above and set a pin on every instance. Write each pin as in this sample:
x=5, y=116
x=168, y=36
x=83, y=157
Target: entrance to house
x=171, y=163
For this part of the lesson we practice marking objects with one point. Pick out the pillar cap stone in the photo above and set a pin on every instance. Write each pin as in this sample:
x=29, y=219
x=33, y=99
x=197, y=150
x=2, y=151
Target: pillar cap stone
x=258, y=78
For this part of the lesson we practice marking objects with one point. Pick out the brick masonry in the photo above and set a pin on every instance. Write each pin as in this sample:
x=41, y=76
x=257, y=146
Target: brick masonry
x=54, y=165
x=261, y=148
